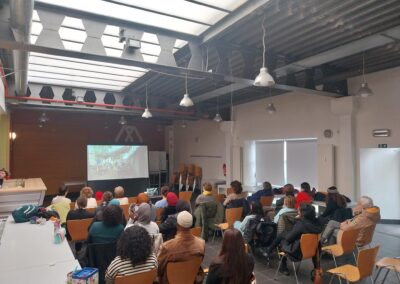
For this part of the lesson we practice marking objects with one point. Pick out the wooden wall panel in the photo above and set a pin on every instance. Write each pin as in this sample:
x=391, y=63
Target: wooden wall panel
x=57, y=152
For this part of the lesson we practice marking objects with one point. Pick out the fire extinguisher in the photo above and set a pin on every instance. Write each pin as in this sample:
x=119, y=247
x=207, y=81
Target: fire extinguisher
x=224, y=169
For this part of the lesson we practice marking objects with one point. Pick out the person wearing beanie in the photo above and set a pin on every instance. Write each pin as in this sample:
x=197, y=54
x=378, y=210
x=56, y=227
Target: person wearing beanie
x=99, y=196
x=334, y=201
x=172, y=199
x=168, y=227
x=163, y=202
x=144, y=198
x=183, y=247
x=206, y=196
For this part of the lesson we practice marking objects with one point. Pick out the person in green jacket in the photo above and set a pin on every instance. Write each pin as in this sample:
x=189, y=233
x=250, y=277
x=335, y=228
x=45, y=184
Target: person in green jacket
x=110, y=228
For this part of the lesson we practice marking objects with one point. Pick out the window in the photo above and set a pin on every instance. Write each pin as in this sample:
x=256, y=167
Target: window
x=287, y=161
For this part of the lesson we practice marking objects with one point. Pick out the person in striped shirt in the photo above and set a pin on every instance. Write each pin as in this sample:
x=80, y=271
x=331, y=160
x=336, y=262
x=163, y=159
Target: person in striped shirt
x=134, y=254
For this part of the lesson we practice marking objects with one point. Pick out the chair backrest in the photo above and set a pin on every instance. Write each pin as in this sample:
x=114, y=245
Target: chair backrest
x=92, y=210
x=132, y=200
x=196, y=231
x=368, y=234
x=79, y=229
x=142, y=278
x=366, y=261
x=183, y=272
x=185, y=195
x=308, y=245
x=347, y=239
x=266, y=200
x=159, y=212
x=233, y=214
x=125, y=209
x=100, y=256
x=72, y=206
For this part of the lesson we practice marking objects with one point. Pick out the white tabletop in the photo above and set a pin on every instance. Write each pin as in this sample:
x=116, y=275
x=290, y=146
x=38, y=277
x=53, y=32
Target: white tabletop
x=29, y=250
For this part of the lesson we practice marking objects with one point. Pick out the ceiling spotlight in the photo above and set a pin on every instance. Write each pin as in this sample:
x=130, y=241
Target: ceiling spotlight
x=43, y=118
x=264, y=79
x=271, y=109
x=183, y=125
x=13, y=135
x=122, y=120
x=146, y=113
x=186, y=101
x=218, y=117
x=364, y=90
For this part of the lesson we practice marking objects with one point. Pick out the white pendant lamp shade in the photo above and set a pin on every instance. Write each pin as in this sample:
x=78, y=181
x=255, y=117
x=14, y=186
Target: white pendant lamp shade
x=147, y=113
x=264, y=79
x=186, y=101
x=364, y=91
x=271, y=109
x=218, y=117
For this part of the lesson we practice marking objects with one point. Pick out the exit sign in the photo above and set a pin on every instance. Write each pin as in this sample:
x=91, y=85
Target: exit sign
x=382, y=145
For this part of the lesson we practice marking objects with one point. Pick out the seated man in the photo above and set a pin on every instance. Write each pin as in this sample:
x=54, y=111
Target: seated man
x=163, y=202
x=80, y=213
x=62, y=195
x=183, y=247
x=119, y=194
x=266, y=191
x=365, y=215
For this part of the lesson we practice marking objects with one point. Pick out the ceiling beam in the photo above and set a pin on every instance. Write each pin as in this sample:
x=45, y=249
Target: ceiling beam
x=354, y=47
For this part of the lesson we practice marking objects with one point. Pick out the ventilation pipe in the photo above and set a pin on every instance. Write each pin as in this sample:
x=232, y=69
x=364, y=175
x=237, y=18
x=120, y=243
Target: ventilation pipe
x=21, y=19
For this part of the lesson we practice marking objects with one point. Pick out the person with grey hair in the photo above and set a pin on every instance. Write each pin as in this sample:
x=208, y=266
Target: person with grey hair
x=365, y=215
x=119, y=193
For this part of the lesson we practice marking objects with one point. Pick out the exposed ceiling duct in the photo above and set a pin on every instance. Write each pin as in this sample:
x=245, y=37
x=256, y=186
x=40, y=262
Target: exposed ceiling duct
x=21, y=18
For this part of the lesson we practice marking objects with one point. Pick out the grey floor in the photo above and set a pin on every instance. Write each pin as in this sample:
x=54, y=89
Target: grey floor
x=387, y=236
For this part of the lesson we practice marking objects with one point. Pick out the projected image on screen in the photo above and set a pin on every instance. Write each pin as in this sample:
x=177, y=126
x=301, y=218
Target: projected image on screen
x=106, y=162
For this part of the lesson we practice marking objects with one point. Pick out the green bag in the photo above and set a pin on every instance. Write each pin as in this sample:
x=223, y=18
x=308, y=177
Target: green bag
x=24, y=213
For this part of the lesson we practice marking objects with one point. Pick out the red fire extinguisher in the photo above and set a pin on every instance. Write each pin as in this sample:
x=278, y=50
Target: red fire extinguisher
x=224, y=169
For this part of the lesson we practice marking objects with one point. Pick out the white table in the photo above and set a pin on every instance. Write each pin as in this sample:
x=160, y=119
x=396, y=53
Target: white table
x=28, y=254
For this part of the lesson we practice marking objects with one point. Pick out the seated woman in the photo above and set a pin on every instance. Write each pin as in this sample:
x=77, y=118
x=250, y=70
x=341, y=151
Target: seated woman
x=110, y=228
x=232, y=264
x=288, y=190
x=237, y=198
x=105, y=200
x=140, y=216
x=134, y=254
x=168, y=227
x=334, y=201
x=288, y=206
x=255, y=215
x=163, y=202
x=172, y=199
x=206, y=196
x=88, y=193
x=266, y=191
x=304, y=195
x=62, y=195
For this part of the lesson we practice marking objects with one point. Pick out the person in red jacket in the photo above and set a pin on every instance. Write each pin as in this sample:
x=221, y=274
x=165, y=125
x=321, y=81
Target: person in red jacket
x=304, y=194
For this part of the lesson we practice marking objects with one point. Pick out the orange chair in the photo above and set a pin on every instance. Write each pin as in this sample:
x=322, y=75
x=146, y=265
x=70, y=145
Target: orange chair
x=231, y=215
x=364, y=268
x=266, y=201
x=185, y=195
x=308, y=246
x=125, y=209
x=132, y=200
x=368, y=236
x=345, y=244
x=142, y=278
x=92, y=210
x=196, y=231
x=390, y=264
x=79, y=229
x=72, y=206
x=183, y=272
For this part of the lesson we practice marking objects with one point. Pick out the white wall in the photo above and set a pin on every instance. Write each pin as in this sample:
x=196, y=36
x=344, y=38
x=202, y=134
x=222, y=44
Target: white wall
x=2, y=98
x=200, y=138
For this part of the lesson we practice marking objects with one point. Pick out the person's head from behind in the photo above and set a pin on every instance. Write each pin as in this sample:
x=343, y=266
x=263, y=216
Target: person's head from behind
x=164, y=191
x=142, y=213
x=142, y=198
x=288, y=189
x=267, y=185
x=107, y=196
x=307, y=211
x=99, y=195
x=256, y=208
x=81, y=202
x=365, y=202
x=63, y=190
x=112, y=215
x=182, y=205
x=86, y=192
x=172, y=199
x=333, y=194
x=289, y=201
x=134, y=244
x=119, y=192
x=207, y=187
x=305, y=186
x=184, y=221
x=232, y=255
x=237, y=186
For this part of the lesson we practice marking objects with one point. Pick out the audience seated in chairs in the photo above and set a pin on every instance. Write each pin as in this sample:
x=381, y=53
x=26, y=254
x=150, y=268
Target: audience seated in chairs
x=172, y=199
x=62, y=195
x=365, y=215
x=168, y=228
x=334, y=201
x=304, y=195
x=288, y=189
x=237, y=198
x=266, y=191
x=163, y=202
x=134, y=254
x=105, y=200
x=206, y=195
x=248, y=225
x=88, y=193
x=183, y=247
x=80, y=213
x=285, y=218
x=290, y=241
x=119, y=194
x=232, y=265
x=110, y=228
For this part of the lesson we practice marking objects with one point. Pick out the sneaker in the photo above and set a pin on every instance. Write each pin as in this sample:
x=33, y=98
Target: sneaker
x=284, y=270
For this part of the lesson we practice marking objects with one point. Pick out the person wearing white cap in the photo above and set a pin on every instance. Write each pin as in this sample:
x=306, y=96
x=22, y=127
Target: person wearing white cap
x=183, y=247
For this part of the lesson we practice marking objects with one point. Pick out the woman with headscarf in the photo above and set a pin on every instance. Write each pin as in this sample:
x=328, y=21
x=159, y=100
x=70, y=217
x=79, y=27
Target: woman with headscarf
x=141, y=216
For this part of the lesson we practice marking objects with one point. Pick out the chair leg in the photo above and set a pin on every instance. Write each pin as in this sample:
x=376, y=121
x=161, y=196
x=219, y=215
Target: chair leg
x=295, y=273
x=330, y=281
x=334, y=260
x=279, y=266
x=355, y=259
x=377, y=273
x=398, y=275
x=372, y=280
x=298, y=267
x=386, y=274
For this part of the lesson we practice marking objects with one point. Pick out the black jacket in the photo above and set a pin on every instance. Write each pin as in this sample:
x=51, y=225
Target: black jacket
x=79, y=214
